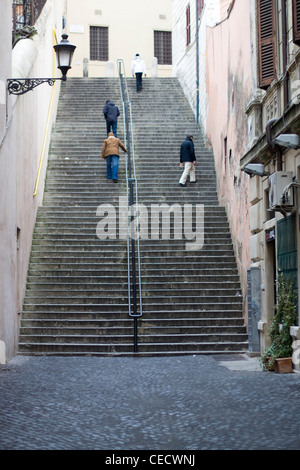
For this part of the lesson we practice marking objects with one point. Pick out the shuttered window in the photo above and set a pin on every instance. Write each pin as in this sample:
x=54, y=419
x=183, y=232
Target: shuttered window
x=200, y=7
x=296, y=22
x=188, y=25
x=266, y=42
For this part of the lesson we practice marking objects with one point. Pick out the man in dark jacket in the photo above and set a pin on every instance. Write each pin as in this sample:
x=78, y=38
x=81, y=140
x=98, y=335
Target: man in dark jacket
x=111, y=113
x=188, y=160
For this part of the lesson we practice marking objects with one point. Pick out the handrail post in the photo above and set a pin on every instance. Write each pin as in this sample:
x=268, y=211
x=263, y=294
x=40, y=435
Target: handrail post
x=130, y=181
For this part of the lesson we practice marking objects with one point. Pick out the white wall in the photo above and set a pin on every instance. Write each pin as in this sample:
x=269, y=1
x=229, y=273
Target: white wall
x=184, y=57
x=23, y=122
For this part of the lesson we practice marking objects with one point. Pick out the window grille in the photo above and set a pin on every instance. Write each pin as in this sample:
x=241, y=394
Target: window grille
x=188, y=24
x=99, y=43
x=163, y=47
x=25, y=13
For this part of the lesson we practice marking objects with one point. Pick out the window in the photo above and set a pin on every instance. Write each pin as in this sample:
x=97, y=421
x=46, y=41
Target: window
x=163, y=47
x=25, y=13
x=266, y=42
x=296, y=22
x=99, y=43
x=188, y=25
x=200, y=7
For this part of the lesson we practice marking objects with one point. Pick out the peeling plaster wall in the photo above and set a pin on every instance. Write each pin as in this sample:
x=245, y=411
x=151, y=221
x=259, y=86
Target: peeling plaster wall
x=228, y=85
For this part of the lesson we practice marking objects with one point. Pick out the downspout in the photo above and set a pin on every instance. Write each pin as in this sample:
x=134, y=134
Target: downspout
x=197, y=60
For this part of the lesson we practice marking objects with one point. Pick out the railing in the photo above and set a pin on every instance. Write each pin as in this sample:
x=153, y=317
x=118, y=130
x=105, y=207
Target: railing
x=133, y=244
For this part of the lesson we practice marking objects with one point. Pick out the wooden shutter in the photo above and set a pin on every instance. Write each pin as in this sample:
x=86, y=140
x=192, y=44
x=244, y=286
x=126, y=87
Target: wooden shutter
x=266, y=42
x=200, y=7
x=296, y=22
x=188, y=25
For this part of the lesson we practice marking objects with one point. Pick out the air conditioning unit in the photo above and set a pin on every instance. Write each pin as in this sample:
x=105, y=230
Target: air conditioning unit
x=278, y=197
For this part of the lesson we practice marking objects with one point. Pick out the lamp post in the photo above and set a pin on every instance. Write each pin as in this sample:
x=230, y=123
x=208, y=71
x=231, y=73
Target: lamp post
x=64, y=54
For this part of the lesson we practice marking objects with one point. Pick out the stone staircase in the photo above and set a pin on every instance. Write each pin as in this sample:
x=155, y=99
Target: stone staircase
x=76, y=300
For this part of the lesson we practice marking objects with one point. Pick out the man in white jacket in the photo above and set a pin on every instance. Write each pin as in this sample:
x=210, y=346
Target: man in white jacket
x=138, y=68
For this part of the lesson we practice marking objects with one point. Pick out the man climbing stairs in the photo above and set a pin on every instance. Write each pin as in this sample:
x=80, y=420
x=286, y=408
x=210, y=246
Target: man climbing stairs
x=76, y=300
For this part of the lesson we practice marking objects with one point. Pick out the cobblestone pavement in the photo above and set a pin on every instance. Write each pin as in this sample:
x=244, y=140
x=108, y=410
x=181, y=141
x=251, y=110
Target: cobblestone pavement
x=139, y=403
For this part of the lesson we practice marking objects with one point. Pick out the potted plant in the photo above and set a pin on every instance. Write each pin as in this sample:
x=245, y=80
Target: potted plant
x=278, y=355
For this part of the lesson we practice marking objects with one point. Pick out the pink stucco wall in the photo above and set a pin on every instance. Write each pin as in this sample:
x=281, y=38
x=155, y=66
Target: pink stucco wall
x=229, y=88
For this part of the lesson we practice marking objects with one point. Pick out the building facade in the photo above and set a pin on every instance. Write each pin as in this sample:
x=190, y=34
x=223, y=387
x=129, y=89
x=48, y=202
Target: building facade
x=190, y=20
x=25, y=122
x=211, y=57
x=274, y=111
x=104, y=34
x=238, y=62
x=248, y=95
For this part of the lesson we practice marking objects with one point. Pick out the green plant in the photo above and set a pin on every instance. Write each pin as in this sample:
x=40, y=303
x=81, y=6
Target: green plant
x=27, y=32
x=284, y=318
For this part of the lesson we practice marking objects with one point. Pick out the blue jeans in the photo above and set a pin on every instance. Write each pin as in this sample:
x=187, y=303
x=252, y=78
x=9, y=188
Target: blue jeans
x=112, y=167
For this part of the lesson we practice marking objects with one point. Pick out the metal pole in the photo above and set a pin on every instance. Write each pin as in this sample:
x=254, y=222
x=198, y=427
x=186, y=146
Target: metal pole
x=133, y=260
x=197, y=59
x=131, y=180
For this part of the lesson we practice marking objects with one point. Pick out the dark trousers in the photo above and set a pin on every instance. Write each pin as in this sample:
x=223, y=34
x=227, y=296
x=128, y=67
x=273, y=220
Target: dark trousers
x=138, y=76
x=111, y=126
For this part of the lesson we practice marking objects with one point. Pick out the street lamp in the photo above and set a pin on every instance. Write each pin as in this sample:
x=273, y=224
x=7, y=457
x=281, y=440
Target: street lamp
x=64, y=54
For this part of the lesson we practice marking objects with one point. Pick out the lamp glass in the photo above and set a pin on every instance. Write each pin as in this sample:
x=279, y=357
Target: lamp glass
x=63, y=57
x=64, y=53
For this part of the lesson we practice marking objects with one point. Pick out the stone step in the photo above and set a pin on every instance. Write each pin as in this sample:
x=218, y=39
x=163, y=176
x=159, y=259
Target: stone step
x=114, y=308
x=187, y=289
x=110, y=325
x=76, y=301
x=153, y=338
x=151, y=278
x=148, y=349
x=164, y=316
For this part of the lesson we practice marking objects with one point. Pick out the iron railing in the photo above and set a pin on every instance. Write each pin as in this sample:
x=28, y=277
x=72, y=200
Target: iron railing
x=24, y=14
x=133, y=245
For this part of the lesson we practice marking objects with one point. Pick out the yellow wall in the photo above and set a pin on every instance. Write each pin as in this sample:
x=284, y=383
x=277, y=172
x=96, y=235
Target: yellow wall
x=131, y=30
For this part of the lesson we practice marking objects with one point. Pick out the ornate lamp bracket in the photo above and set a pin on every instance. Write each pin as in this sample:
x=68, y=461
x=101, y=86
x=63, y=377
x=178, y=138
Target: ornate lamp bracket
x=20, y=86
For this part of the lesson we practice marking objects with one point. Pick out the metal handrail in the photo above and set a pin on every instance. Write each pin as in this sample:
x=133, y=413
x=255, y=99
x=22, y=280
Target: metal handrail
x=130, y=181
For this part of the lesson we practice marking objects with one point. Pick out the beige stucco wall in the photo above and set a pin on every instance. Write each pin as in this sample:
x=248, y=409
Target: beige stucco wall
x=261, y=254
x=23, y=124
x=228, y=86
x=131, y=31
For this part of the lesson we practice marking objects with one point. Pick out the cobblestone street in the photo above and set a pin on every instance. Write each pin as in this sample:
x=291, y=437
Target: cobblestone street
x=162, y=403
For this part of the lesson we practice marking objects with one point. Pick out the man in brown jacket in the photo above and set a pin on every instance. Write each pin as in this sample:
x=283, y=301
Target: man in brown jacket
x=110, y=153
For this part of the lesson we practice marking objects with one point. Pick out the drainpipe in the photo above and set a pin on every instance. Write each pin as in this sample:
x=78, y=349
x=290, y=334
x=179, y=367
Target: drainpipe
x=197, y=60
x=284, y=54
x=276, y=148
